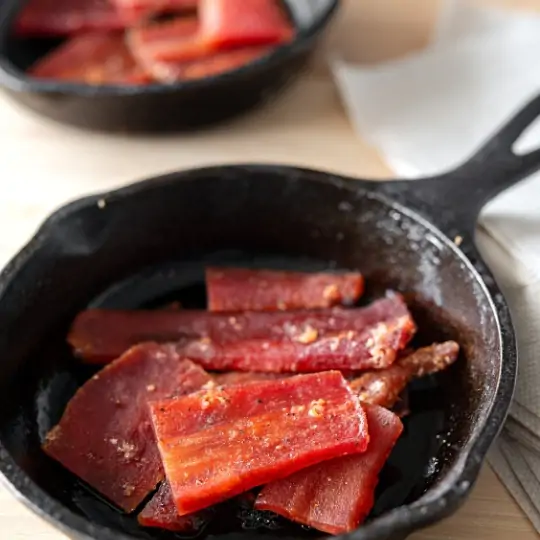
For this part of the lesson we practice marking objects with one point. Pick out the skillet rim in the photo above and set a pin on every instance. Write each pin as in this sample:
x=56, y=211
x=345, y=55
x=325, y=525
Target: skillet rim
x=18, y=81
x=438, y=502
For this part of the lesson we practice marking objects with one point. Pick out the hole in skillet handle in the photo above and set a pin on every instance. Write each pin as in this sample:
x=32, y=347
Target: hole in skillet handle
x=529, y=140
x=159, y=107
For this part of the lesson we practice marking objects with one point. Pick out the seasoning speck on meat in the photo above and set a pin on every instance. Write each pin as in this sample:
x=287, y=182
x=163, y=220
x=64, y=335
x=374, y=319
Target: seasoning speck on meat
x=308, y=335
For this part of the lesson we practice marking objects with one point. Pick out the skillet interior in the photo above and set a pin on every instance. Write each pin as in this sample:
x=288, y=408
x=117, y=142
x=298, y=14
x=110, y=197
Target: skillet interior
x=162, y=233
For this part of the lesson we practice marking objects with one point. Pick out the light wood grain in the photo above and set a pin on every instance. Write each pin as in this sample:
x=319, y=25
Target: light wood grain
x=42, y=165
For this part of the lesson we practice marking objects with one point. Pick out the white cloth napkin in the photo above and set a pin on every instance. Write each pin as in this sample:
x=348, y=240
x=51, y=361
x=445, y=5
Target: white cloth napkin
x=427, y=113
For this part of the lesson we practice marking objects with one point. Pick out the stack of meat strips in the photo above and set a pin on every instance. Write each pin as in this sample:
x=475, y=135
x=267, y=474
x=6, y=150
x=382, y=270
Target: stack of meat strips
x=144, y=41
x=278, y=386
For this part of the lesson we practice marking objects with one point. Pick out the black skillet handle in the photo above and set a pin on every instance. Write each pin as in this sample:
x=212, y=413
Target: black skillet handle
x=453, y=200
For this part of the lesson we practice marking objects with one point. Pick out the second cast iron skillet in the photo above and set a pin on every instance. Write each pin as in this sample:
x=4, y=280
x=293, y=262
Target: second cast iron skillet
x=158, y=107
x=147, y=244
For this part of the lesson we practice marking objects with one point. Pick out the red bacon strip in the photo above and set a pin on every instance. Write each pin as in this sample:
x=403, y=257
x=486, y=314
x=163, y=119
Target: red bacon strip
x=94, y=58
x=224, y=441
x=98, y=336
x=67, y=17
x=336, y=496
x=170, y=41
x=174, y=50
x=242, y=289
x=384, y=387
x=375, y=348
x=105, y=435
x=208, y=66
x=240, y=23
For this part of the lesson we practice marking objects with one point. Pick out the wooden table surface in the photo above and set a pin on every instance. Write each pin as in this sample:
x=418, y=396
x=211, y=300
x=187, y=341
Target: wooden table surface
x=43, y=165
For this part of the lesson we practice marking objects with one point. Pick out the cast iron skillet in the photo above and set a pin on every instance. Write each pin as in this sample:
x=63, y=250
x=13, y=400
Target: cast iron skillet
x=158, y=107
x=147, y=244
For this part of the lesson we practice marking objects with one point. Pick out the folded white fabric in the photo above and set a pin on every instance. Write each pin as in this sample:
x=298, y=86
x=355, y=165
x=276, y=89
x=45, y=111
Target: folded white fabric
x=427, y=113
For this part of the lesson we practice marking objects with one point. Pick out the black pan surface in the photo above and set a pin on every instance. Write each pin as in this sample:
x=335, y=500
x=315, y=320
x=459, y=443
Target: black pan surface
x=158, y=107
x=147, y=244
